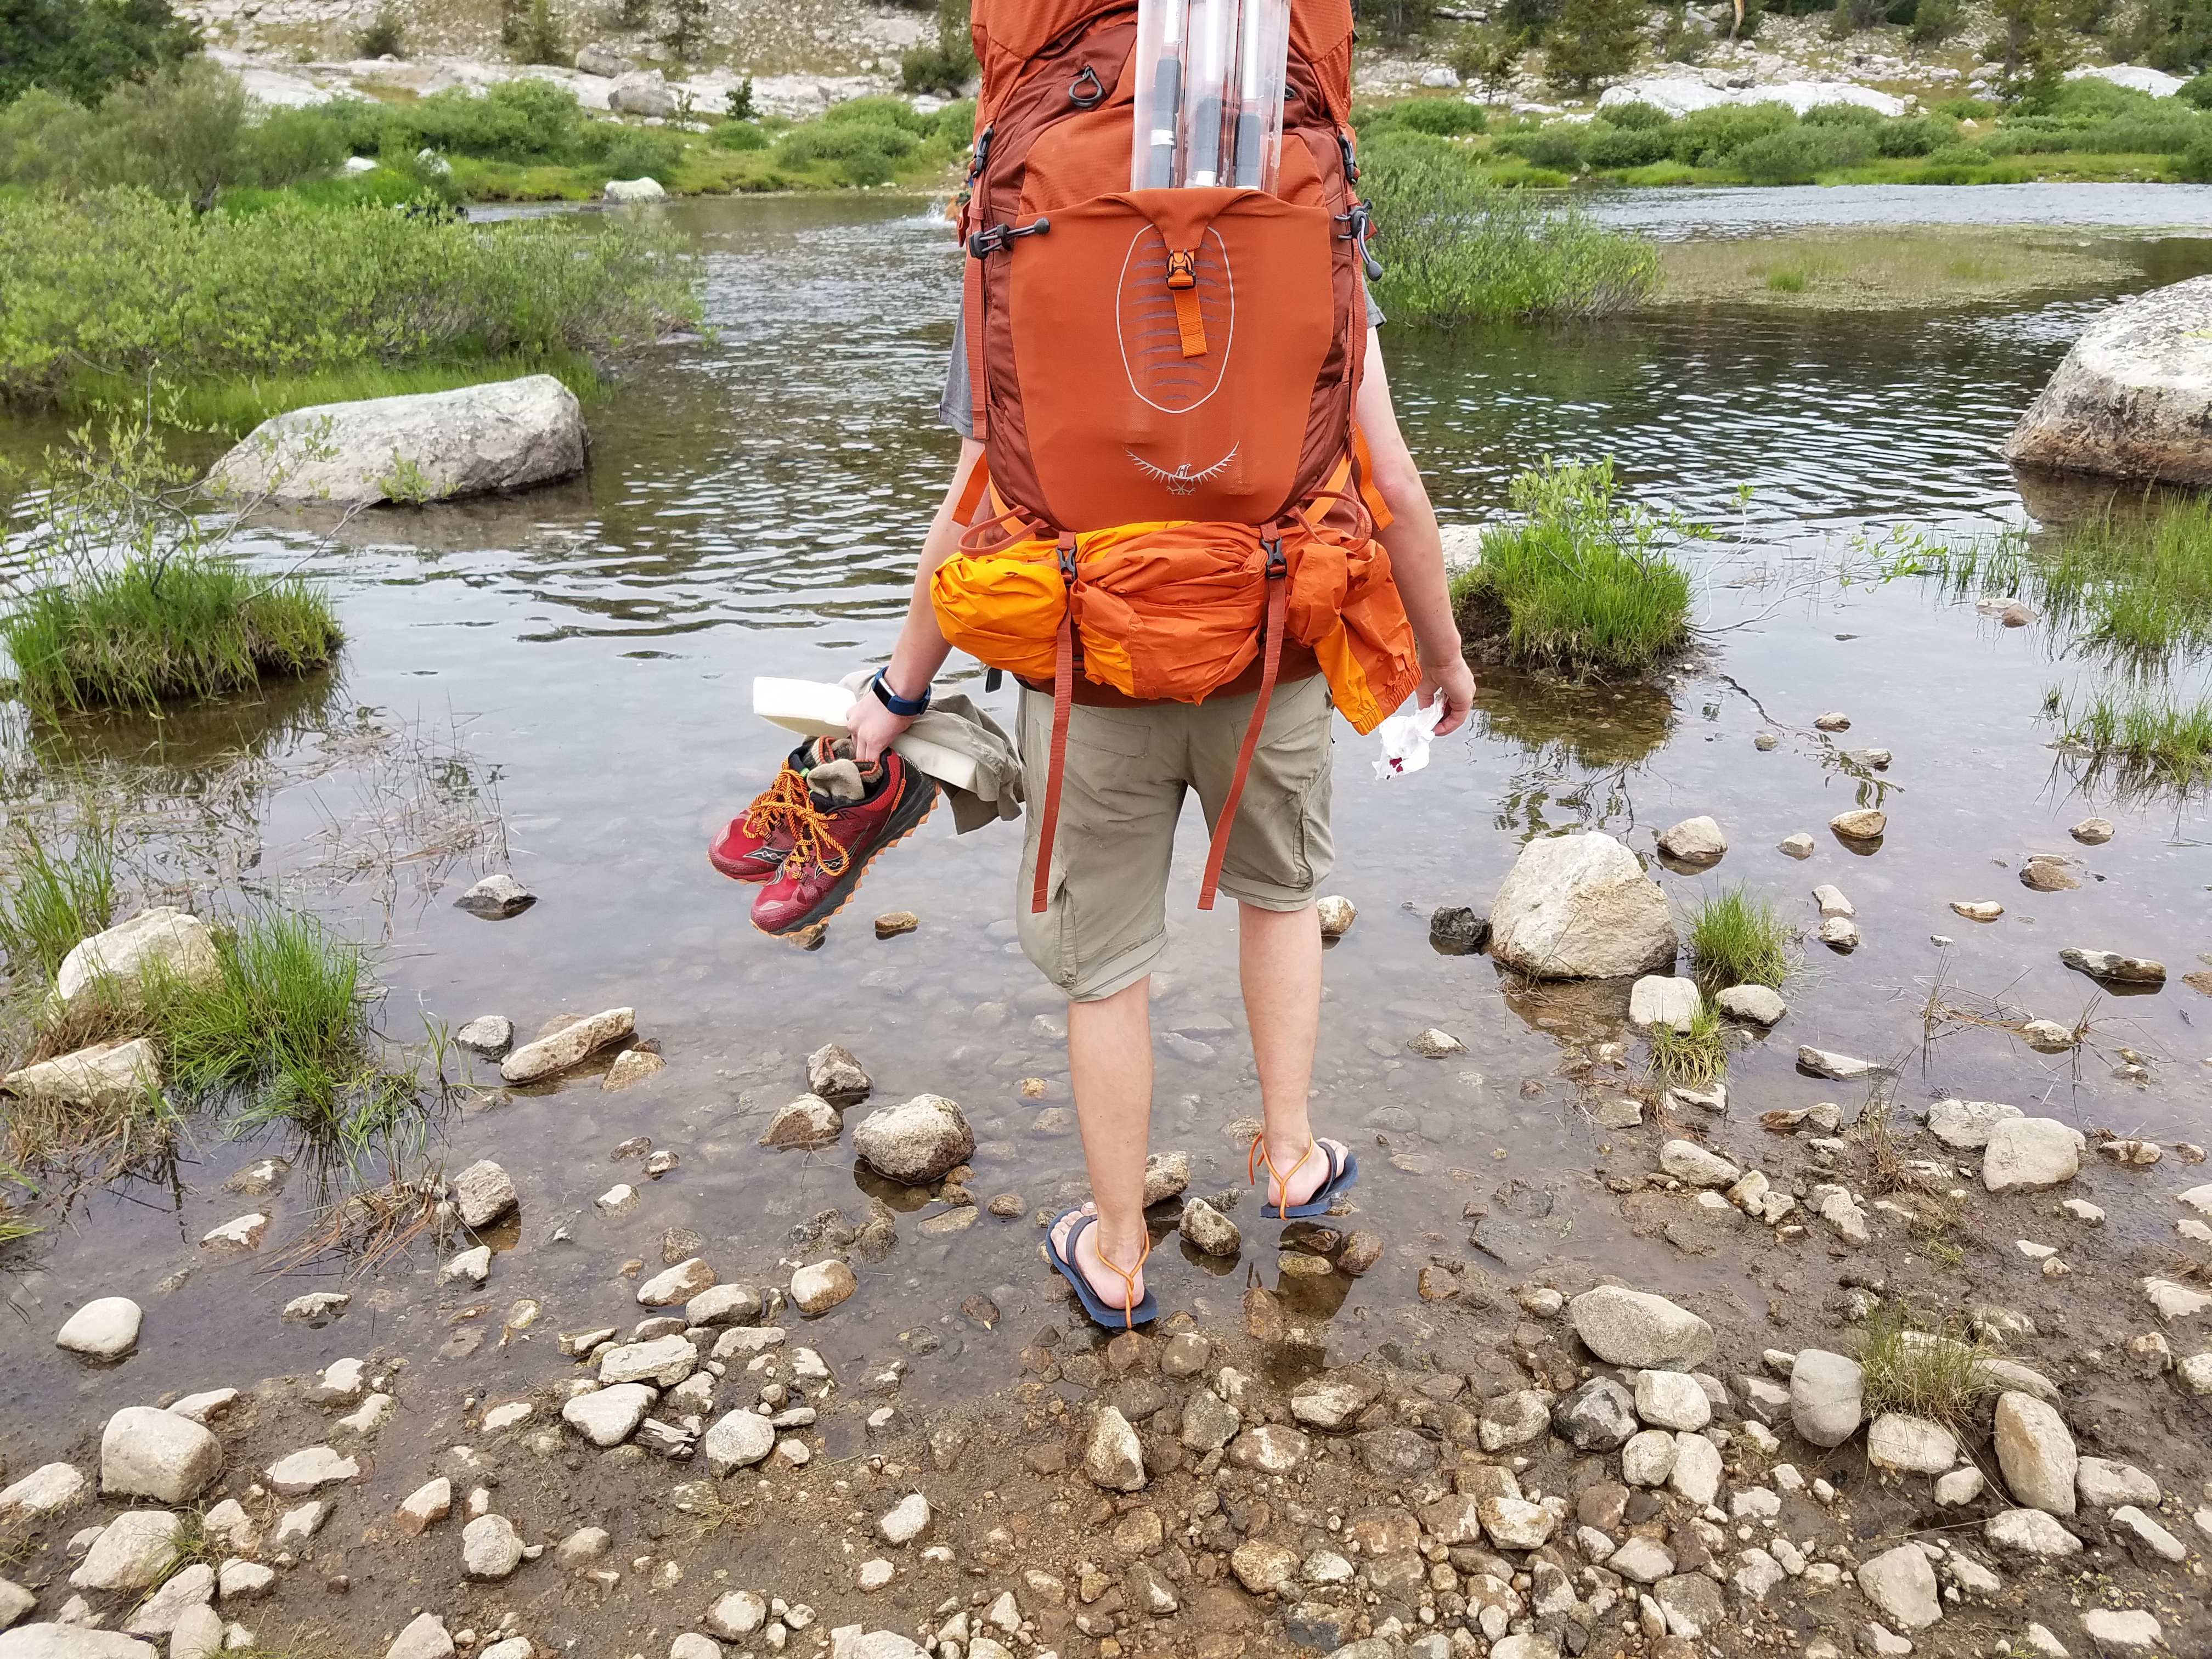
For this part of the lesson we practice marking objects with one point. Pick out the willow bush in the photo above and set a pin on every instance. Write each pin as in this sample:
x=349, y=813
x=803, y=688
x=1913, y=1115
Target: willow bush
x=122, y=284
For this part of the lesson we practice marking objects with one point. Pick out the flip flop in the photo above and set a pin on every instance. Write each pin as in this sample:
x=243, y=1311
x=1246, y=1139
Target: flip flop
x=1340, y=1177
x=1102, y=1311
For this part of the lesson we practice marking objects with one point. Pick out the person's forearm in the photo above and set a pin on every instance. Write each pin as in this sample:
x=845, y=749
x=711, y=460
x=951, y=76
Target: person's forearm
x=1413, y=541
x=921, y=648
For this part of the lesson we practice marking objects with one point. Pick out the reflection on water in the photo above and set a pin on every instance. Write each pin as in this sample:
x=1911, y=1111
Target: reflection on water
x=753, y=505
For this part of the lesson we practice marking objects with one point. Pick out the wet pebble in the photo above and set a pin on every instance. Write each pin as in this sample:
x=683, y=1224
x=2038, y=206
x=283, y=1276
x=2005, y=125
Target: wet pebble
x=105, y=1328
x=1865, y=823
x=892, y=923
x=489, y=1034
x=2093, y=832
x=1978, y=910
x=1798, y=846
x=1336, y=915
x=1766, y=742
x=496, y=898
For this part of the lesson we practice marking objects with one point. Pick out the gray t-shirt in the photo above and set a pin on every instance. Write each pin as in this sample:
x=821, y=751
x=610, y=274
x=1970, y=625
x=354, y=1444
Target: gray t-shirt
x=956, y=408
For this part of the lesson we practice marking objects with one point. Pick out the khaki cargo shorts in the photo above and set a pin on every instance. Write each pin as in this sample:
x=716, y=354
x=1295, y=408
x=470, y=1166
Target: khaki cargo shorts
x=1126, y=772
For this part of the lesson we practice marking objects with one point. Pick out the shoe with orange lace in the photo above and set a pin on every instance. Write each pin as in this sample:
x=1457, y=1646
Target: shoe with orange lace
x=753, y=844
x=847, y=814
x=1342, y=1169
x=1128, y=1309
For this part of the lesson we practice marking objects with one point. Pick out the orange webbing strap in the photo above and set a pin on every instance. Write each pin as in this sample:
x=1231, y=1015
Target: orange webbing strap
x=1364, y=464
x=1278, y=606
x=1063, y=700
x=1190, y=323
x=971, y=493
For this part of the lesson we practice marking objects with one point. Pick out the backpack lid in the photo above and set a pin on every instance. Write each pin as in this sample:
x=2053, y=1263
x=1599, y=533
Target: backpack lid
x=1007, y=33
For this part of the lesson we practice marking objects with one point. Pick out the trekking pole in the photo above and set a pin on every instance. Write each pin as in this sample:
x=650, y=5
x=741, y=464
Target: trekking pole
x=1161, y=40
x=1263, y=49
x=1206, y=91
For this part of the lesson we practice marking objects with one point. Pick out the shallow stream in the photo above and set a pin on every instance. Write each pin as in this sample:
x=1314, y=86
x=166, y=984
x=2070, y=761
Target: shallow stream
x=580, y=660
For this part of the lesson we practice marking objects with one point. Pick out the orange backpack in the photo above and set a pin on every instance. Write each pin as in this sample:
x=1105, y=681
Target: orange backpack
x=1164, y=384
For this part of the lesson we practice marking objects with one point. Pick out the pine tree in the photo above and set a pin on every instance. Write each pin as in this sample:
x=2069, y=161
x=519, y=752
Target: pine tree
x=687, y=28
x=1594, y=41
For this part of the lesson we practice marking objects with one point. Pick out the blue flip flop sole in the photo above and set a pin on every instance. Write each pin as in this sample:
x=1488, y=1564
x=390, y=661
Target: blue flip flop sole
x=1100, y=1309
x=1339, y=1183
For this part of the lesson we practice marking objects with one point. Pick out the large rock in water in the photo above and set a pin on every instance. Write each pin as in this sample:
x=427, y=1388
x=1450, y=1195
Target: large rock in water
x=161, y=939
x=433, y=445
x=2134, y=398
x=1580, y=907
x=917, y=1142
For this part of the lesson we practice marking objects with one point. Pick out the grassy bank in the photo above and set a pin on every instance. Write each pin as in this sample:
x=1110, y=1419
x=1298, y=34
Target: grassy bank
x=1581, y=587
x=2089, y=130
x=120, y=285
x=1456, y=248
x=2145, y=741
x=1886, y=270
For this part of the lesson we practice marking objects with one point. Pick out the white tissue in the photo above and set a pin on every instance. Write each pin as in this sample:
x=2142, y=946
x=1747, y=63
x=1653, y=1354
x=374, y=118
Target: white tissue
x=1406, y=740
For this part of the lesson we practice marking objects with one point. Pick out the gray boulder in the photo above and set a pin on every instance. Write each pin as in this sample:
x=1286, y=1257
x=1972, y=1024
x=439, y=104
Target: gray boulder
x=1826, y=1396
x=916, y=1142
x=145, y=1453
x=2133, y=398
x=1580, y=907
x=641, y=93
x=104, y=1328
x=163, y=939
x=1635, y=1328
x=71, y=1642
x=1597, y=1416
x=432, y=445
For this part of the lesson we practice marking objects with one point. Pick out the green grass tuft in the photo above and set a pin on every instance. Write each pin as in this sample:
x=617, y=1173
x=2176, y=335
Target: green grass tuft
x=2147, y=740
x=1737, y=939
x=1694, y=1053
x=148, y=633
x=1786, y=281
x=1583, y=585
x=50, y=901
x=1920, y=1373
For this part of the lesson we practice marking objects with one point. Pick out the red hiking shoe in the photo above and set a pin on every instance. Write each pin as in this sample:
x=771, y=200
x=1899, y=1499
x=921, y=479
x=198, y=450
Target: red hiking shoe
x=846, y=819
x=753, y=844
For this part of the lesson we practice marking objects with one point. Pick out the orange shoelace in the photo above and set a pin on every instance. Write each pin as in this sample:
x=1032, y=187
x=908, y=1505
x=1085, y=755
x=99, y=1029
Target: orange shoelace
x=777, y=806
x=810, y=840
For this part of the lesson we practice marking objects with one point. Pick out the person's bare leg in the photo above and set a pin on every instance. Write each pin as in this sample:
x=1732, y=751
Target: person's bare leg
x=1109, y=1062
x=1279, y=961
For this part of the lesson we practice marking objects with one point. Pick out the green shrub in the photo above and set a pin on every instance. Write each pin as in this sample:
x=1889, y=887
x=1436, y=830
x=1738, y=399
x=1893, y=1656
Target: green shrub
x=863, y=152
x=1559, y=147
x=1640, y=117
x=1442, y=118
x=642, y=153
x=1695, y=1053
x=2196, y=162
x=1959, y=155
x=1964, y=109
x=1936, y=22
x=384, y=38
x=133, y=286
x=537, y=37
x=1920, y=135
x=1593, y=41
x=184, y=132
x=1612, y=147
x=1796, y=154
x=880, y=110
x=80, y=48
x=738, y=134
x=1706, y=137
x=1583, y=585
x=956, y=123
x=2197, y=92
x=1458, y=249
x=1840, y=115
x=947, y=64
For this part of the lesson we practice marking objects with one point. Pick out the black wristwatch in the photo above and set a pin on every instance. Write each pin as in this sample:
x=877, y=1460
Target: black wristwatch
x=905, y=707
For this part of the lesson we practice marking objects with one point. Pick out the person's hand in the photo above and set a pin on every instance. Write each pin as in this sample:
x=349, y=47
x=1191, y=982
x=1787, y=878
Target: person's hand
x=873, y=726
x=1454, y=683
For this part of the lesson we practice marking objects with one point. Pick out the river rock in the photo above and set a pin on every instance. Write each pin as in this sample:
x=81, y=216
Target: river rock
x=569, y=1047
x=1799, y=846
x=2035, y=1451
x=496, y=898
x=2105, y=1484
x=1166, y=1173
x=1662, y=999
x=1580, y=907
x=822, y=1285
x=1513, y=1419
x=1825, y=1396
x=131, y=1553
x=2133, y=398
x=1911, y=1445
x=1756, y=1005
x=2048, y=873
x=297, y=1473
x=488, y=1035
x=163, y=939
x=2115, y=1631
x=916, y=1142
x=1694, y=840
x=808, y=1121
x=738, y=1442
x=1112, y=1456
x=1636, y=1329
x=2093, y=832
x=1672, y=1400
x=48, y=1490
x=105, y=1076
x=834, y=1075
x=197, y=1634
x=1456, y=930
x=609, y=1416
x=72, y=1642
x=145, y=1453
x=490, y=1547
x=1694, y=1166
x=680, y=1283
x=1335, y=915
x=425, y=1638
x=1966, y=1126
x=664, y=1360
x=104, y=1328
x=1596, y=1417
x=1648, y=1459
x=724, y=1305
x=1864, y=824
x=1697, y=1471
x=474, y=1266
x=1900, y=1582
x=906, y=1520
x=2028, y=1154
x=2111, y=965
x=2030, y=1532
x=1840, y=1068
x=479, y=439
x=1261, y=1567
x=483, y=1193
x=736, y=1615
x=1978, y=910
x=1208, y=1229
x=433, y=1501
x=15, y=1601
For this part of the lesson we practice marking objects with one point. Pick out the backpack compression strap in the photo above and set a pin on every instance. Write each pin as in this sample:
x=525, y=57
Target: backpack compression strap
x=1063, y=701
x=1278, y=607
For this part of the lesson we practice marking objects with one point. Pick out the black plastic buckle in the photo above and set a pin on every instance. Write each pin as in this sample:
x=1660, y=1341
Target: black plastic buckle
x=998, y=237
x=1278, y=566
x=994, y=678
x=1098, y=89
x=982, y=151
x=1351, y=167
x=1068, y=563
